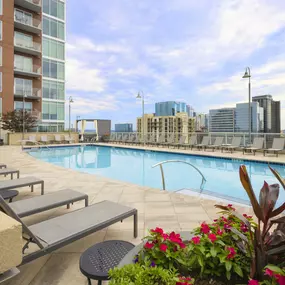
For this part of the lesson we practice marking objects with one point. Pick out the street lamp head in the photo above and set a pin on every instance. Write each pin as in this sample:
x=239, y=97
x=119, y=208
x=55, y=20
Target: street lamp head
x=139, y=96
x=247, y=73
x=70, y=100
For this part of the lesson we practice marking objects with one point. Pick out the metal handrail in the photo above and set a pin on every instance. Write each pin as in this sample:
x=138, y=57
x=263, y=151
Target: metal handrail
x=182, y=161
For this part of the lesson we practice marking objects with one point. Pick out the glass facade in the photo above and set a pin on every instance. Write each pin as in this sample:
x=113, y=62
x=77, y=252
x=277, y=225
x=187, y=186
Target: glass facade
x=18, y=106
x=54, y=8
x=53, y=110
x=23, y=63
x=23, y=17
x=53, y=28
x=51, y=127
x=0, y=30
x=169, y=108
x=23, y=86
x=53, y=48
x=53, y=69
x=53, y=90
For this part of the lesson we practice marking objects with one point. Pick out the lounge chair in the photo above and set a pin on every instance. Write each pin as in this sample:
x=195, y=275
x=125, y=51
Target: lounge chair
x=68, y=139
x=218, y=142
x=169, y=140
x=160, y=140
x=47, y=202
x=131, y=139
x=181, y=142
x=57, y=139
x=22, y=182
x=112, y=137
x=233, y=146
x=205, y=142
x=277, y=146
x=257, y=145
x=118, y=138
x=55, y=233
x=3, y=165
x=32, y=139
x=192, y=142
x=10, y=171
x=44, y=139
x=124, y=139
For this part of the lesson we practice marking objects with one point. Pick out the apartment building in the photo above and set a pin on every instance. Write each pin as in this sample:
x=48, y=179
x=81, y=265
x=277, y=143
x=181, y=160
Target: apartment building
x=180, y=124
x=222, y=120
x=32, y=54
x=124, y=128
x=169, y=108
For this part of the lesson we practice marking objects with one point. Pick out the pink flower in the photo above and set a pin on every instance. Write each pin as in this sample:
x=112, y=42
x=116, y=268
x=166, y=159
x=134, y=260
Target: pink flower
x=163, y=247
x=232, y=252
x=219, y=232
x=244, y=228
x=246, y=216
x=268, y=272
x=158, y=230
x=182, y=245
x=230, y=206
x=253, y=282
x=165, y=236
x=227, y=227
x=149, y=245
x=196, y=240
x=205, y=228
x=280, y=279
x=175, y=237
x=212, y=237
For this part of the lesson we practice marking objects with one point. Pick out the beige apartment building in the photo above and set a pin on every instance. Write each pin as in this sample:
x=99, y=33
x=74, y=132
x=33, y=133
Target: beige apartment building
x=180, y=124
x=32, y=60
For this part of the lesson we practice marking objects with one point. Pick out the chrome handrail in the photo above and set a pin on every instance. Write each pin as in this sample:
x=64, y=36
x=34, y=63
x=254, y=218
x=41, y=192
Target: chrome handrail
x=182, y=161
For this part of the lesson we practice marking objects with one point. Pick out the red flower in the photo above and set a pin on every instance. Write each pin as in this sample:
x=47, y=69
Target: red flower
x=182, y=245
x=268, y=272
x=246, y=216
x=184, y=281
x=219, y=232
x=253, y=282
x=196, y=240
x=205, y=228
x=212, y=237
x=232, y=252
x=163, y=247
x=244, y=228
x=230, y=206
x=158, y=230
x=149, y=245
x=280, y=279
x=175, y=237
x=165, y=236
x=227, y=227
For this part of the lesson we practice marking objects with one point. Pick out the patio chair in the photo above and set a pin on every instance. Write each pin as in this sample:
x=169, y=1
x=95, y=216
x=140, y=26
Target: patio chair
x=205, y=142
x=124, y=139
x=57, y=139
x=169, y=140
x=44, y=139
x=150, y=139
x=55, y=233
x=277, y=146
x=22, y=182
x=257, y=145
x=160, y=140
x=192, y=142
x=181, y=142
x=10, y=171
x=68, y=139
x=131, y=139
x=218, y=142
x=112, y=138
x=118, y=138
x=233, y=146
x=32, y=139
x=38, y=204
x=3, y=165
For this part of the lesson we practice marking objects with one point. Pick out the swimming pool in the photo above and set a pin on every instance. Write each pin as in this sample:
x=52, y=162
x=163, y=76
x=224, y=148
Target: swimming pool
x=135, y=166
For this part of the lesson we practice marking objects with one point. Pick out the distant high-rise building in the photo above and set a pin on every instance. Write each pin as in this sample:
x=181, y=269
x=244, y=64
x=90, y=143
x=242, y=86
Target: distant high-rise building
x=222, y=120
x=190, y=111
x=169, y=108
x=124, y=128
x=241, y=118
x=201, y=122
x=271, y=113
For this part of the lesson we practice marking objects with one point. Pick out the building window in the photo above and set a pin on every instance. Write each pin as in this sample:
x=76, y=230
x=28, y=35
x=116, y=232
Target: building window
x=1, y=7
x=53, y=48
x=23, y=17
x=54, y=8
x=23, y=87
x=1, y=56
x=53, y=69
x=53, y=90
x=53, y=111
x=23, y=63
x=0, y=81
x=1, y=30
x=23, y=40
x=53, y=28
x=18, y=106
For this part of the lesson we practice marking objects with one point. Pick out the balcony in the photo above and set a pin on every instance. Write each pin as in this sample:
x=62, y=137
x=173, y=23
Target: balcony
x=30, y=71
x=27, y=24
x=28, y=47
x=35, y=93
x=32, y=5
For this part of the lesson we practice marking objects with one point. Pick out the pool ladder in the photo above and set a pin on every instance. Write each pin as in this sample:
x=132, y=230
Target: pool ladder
x=160, y=164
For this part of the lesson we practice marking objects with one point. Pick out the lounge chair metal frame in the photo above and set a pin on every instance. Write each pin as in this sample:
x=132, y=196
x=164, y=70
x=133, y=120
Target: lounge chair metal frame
x=217, y=144
x=257, y=145
x=277, y=146
x=236, y=141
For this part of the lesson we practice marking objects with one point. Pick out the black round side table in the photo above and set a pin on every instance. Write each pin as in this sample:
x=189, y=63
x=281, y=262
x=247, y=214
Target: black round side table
x=97, y=260
x=9, y=194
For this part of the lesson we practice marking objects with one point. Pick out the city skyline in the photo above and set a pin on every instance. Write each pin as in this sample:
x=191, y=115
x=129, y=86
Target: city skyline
x=172, y=51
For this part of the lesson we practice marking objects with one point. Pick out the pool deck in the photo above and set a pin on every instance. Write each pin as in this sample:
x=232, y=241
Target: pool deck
x=170, y=211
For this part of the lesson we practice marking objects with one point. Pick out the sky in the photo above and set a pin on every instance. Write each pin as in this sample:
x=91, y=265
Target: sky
x=184, y=50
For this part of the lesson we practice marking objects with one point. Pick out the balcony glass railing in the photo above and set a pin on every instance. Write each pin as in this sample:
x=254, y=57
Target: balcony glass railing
x=34, y=92
x=29, y=21
x=35, y=2
x=28, y=68
x=27, y=44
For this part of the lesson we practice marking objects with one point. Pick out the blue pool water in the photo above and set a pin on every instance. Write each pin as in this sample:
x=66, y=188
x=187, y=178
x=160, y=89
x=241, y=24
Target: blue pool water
x=135, y=166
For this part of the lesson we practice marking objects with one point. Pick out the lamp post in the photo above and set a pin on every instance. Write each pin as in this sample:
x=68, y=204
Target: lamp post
x=141, y=96
x=248, y=75
x=70, y=101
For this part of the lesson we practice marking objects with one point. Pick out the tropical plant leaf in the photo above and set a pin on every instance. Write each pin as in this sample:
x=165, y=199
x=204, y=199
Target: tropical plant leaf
x=278, y=176
x=278, y=211
x=276, y=238
x=279, y=221
x=273, y=251
x=245, y=181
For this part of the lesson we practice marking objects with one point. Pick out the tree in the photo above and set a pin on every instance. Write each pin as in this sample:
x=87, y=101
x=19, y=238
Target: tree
x=13, y=121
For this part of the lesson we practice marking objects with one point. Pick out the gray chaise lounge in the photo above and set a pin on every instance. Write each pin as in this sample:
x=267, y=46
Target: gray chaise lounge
x=233, y=146
x=218, y=142
x=10, y=171
x=257, y=145
x=46, y=202
x=55, y=233
x=205, y=142
x=3, y=165
x=22, y=182
x=277, y=146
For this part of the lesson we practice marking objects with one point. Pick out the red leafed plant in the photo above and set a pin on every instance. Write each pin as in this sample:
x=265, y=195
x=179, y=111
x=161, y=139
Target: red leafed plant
x=267, y=239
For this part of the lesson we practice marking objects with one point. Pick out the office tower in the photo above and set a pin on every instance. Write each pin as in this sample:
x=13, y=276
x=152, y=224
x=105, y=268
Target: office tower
x=128, y=128
x=271, y=113
x=190, y=111
x=169, y=108
x=201, y=122
x=241, y=118
x=222, y=120
x=32, y=59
